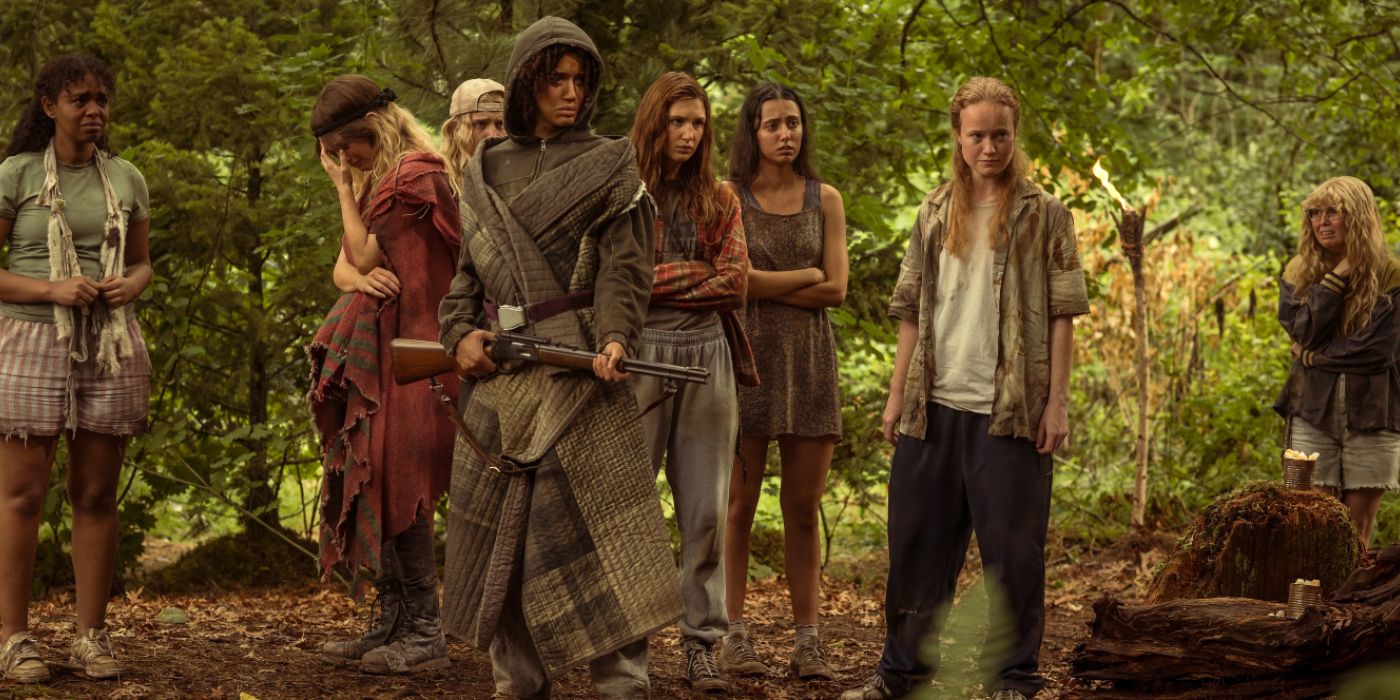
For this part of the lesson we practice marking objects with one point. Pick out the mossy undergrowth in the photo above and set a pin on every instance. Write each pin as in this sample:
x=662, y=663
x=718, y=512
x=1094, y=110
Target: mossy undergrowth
x=253, y=558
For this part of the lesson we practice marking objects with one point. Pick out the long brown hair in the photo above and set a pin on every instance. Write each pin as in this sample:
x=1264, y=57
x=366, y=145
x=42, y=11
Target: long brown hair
x=1365, y=248
x=955, y=237
x=743, y=149
x=392, y=130
x=695, y=180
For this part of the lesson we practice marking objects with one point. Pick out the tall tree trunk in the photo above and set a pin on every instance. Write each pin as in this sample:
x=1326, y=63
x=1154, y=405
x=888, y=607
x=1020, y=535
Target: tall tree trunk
x=507, y=15
x=261, y=501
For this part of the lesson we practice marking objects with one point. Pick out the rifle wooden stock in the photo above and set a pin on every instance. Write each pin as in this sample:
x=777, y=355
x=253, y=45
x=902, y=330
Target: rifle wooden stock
x=416, y=360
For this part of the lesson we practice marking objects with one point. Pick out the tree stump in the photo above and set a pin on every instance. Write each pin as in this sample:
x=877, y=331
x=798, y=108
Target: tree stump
x=1258, y=539
x=1242, y=648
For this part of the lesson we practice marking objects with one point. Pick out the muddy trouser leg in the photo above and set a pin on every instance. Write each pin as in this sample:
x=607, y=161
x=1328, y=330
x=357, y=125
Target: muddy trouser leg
x=695, y=430
x=518, y=672
x=418, y=562
x=929, y=528
x=1008, y=491
x=515, y=664
x=622, y=674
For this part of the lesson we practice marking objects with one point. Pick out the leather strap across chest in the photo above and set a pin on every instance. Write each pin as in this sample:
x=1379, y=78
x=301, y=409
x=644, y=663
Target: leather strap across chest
x=515, y=317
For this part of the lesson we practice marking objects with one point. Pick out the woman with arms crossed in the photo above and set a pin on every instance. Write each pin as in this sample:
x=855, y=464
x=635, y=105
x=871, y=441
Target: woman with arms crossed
x=796, y=229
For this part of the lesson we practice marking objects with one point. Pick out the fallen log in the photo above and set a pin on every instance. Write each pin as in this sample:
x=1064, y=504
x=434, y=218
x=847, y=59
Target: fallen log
x=1239, y=647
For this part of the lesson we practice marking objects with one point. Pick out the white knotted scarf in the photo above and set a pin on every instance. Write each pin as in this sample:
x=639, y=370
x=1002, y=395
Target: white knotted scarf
x=78, y=324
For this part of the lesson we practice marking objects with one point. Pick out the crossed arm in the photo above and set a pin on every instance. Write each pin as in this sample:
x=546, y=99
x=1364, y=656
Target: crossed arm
x=812, y=288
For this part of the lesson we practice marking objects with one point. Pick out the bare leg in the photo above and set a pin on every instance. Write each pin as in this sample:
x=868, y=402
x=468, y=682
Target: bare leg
x=1363, y=504
x=25, y=468
x=745, y=487
x=805, y=464
x=94, y=466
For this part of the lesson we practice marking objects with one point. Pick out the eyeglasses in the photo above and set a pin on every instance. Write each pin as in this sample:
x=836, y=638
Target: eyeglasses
x=1331, y=213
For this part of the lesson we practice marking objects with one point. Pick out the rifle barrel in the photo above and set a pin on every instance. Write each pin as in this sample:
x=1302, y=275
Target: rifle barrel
x=416, y=360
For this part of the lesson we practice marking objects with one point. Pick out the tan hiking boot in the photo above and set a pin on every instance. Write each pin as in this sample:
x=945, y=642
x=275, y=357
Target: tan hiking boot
x=736, y=655
x=20, y=660
x=809, y=660
x=701, y=671
x=92, y=655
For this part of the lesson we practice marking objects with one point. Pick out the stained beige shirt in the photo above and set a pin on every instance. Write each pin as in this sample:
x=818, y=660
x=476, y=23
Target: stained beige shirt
x=1036, y=276
x=965, y=322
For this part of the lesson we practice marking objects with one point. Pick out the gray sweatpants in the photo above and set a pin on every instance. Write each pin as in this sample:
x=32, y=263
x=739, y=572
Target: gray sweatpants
x=693, y=433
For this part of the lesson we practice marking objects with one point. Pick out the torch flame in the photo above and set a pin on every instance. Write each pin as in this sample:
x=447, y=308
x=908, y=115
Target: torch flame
x=1102, y=174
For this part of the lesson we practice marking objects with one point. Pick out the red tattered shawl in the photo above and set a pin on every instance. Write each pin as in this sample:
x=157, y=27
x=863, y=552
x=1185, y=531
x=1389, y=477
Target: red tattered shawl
x=386, y=449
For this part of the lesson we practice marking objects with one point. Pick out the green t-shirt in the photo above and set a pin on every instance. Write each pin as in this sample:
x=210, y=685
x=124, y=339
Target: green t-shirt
x=21, y=177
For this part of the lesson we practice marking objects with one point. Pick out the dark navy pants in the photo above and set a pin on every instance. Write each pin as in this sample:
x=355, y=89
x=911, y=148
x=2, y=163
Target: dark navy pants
x=956, y=481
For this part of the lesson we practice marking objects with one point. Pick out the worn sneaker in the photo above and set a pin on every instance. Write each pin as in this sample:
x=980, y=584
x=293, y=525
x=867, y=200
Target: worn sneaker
x=809, y=660
x=1008, y=694
x=872, y=689
x=701, y=671
x=20, y=660
x=736, y=655
x=92, y=655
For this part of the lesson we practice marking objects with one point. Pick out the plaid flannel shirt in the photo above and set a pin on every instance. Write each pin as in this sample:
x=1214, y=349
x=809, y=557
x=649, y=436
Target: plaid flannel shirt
x=716, y=280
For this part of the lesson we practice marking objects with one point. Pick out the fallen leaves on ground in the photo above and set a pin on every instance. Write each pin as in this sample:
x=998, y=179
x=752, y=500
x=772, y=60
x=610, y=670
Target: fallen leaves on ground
x=265, y=643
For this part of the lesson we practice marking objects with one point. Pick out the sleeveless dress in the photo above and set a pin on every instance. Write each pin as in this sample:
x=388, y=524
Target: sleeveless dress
x=794, y=348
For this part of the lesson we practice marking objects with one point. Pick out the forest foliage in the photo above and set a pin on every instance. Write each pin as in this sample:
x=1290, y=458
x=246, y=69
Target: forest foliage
x=1229, y=112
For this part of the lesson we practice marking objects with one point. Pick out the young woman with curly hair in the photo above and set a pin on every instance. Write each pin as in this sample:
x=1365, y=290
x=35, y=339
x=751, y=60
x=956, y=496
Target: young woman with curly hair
x=1337, y=301
x=72, y=360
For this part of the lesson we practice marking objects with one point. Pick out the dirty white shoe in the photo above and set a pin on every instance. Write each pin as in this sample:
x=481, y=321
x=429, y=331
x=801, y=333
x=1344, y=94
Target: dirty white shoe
x=92, y=655
x=20, y=660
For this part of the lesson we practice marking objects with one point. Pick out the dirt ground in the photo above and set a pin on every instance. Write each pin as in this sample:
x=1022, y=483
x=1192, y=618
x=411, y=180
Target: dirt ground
x=263, y=644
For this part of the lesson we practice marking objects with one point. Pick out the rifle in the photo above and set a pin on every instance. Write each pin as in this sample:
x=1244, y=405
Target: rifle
x=415, y=360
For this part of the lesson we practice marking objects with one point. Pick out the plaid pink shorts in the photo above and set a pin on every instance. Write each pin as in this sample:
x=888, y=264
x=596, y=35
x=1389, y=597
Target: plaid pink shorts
x=34, y=370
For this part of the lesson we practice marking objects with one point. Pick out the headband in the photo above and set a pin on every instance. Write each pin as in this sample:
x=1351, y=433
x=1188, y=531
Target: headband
x=383, y=99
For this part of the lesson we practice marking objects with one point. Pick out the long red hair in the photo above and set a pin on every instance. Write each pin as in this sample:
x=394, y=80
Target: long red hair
x=696, y=178
x=956, y=235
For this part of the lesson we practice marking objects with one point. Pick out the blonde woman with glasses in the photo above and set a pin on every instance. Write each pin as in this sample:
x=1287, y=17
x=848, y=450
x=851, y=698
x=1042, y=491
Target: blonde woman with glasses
x=1337, y=301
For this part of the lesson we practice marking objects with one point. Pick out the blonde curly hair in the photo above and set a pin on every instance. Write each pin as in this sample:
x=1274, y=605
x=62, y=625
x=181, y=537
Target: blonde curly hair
x=392, y=130
x=1365, y=248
